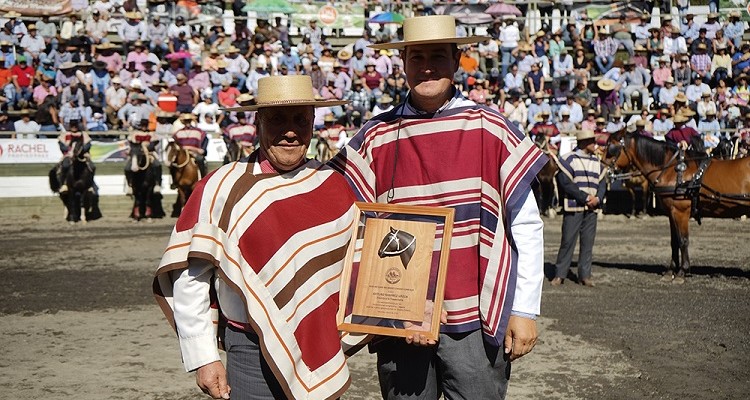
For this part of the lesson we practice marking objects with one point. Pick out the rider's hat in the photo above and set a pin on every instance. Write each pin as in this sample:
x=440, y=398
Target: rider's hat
x=585, y=134
x=430, y=29
x=187, y=116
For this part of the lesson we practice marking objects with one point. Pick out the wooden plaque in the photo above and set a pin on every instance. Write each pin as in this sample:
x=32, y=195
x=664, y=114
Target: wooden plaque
x=394, y=275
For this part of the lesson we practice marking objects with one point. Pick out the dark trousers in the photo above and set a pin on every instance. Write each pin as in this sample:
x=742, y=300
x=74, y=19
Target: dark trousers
x=576, y=224
x=460, y=366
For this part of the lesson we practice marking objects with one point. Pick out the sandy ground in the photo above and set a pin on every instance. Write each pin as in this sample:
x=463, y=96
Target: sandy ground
x=77, y=319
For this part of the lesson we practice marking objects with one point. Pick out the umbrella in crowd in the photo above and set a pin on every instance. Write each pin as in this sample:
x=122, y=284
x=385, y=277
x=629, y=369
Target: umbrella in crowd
x=179, y=55
x=500, y=9
x=387, y=18
x=467, y=14
x=269, y=6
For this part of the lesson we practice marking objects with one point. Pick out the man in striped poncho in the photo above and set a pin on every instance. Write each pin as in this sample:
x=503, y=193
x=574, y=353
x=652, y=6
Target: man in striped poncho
x=255, y=259
x=438, y=148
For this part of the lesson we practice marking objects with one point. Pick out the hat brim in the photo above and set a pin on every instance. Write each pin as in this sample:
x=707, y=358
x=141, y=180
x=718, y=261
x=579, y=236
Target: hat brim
x=456, y=41
x=314, y=103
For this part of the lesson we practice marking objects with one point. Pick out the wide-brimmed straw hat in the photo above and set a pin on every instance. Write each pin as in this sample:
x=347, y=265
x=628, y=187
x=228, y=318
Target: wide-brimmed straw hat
x=679, y=118
x=585, y=134
x=606, y=84
x=286, y=91
x=432, y=29
x=385, y=99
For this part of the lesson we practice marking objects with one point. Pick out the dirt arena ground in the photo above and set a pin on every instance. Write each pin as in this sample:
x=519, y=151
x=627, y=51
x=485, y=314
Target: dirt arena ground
x=77, y=319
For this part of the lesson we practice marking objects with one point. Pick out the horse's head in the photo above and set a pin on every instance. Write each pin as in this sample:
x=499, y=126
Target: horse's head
x=723, y=150
x=542, y=142
x=172, y=151
x=398, y=243
x=388, y=244
x=234, y=150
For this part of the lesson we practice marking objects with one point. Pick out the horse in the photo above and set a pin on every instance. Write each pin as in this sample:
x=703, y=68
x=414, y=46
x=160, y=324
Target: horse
x=633, y=180
x=236, y=151
x=545, y=191
x=80, y=182
x=324, y=150
x=398, y=243
x=146, y=203
x=185, y=174
x=697, y=186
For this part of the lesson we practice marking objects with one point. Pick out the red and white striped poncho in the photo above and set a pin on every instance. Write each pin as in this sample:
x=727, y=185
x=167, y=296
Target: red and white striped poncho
x=279, y=242
x=469, y=158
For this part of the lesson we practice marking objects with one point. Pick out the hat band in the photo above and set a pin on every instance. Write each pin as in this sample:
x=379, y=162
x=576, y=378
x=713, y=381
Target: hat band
x=292, y=101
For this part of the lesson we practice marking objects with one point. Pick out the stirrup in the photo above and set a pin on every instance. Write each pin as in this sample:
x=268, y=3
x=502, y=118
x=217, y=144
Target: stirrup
x=157, y=189
x=63, y=188
x=129, y=191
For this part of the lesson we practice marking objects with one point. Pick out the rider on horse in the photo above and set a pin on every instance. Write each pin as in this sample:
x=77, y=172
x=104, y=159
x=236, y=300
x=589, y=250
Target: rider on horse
x=546, y=128
x=683, y=136
x=193, y=140
x=333, y=133
x=743, y=134
x=66, y=141
x=150, y=141
x=243, y=133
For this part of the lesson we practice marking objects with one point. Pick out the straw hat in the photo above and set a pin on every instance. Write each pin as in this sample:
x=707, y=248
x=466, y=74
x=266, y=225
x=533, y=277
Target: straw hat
x=385, y=99
x=669, y=80
x=585, y=134
x=428, y=30
x=639, y=47
x=11, y=14
x=606, y=84
x=329, y=118
x=640, y=123
x=31, y=27
x=687, y=112
x=539, y=95
x=345, y=53
x=232, y=49
x=187, y=116
x=221, y=64
x=679, y=118
x=601, y=120
x=164, y=114
x=68, y=65
x=713, y=15
x=711, y=112
x=133, y=15
x=106, y=46
x=681, y=97
x=116, y=80
x=287, y=91
x=244, y=97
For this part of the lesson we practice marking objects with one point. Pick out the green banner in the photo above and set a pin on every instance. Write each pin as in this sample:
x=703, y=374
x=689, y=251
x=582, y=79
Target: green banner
x=341, y=15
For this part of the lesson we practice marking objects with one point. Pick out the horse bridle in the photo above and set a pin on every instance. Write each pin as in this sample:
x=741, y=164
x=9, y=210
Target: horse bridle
x=179, y=150
x=399, y=250
x=664, y=168
x=148, y=155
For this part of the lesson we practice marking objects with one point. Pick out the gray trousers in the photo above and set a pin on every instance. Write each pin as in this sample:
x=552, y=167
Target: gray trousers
x=460, y=366
x=575, y=224
x=248, y=373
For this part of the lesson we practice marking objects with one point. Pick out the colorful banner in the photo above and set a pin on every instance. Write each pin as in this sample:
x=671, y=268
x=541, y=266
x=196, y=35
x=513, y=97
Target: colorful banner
x=340, y=15
x=37, y=7
x=45, y=151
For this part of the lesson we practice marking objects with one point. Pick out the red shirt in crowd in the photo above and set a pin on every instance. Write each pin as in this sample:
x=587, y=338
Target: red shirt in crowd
x=23, y=75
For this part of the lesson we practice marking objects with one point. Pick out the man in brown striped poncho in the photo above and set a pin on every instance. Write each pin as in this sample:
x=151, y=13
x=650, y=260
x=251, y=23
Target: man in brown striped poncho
x=255, y=259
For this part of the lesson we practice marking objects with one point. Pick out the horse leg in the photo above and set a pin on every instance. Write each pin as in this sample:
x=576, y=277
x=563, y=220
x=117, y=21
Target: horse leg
x=669, y=274
x=177, y=206
x=631, y=192
x=683, y=234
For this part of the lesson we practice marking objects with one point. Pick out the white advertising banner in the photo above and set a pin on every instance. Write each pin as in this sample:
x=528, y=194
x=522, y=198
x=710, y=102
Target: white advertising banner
x=29, y=151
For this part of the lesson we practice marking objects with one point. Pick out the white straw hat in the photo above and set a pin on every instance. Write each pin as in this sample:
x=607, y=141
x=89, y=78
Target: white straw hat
x=286, y=91
x=428, y=30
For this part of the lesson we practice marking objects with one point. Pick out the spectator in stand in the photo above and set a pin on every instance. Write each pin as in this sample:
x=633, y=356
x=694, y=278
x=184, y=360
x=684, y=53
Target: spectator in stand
x=702, y=39
x=655, y=42
x=709, y=126
x=712, y=25
x=682, y=74
x=534, y=79
x=104, y=7
x=583, y=95
x=150, y=73
x=634, y=79
x=470, y=67
x=660, y=76
x=228, y=95
x=674, y=44
x=605, y=49
x=574, y=110
x=97, y=29
x=157, y=36
x=608, y=100
x=734, y=29
x=137, y=55
x=33, y=44
x=106, y=52
x=115, y=97
x=540, y=48
x=343, y=80
x=668, y=94
x=590, y=121
x=44, y=89
x=218, y=78
x=359, y=103
x=720, y=40
x=514, y=81
x=383, y=63
x=25, y=128
x=175, y=68
x=237, y=66
x=690, y=29
x=206, y=107
x=740, y=60
x=374, y=82
x=641, y=31
x=515, y=109
x=384, y=105
x=293, y=64
x=174, y=29
x=22, y=76
x=255, y=75
x=537, y=107
x=694, y=91
x=721, y=64
x=509, y=37
x=48, y=30
x=621, y=33
x=133, y=29
x=128, y=74
x=562, y=67
x=616, y=123
x=198, y=77
x=137, y=110
x=395, y=84
x=581, y=66
x=488, y=52
x=565, y=125
x=186, y=95
x=705, y=104
x=700, y=63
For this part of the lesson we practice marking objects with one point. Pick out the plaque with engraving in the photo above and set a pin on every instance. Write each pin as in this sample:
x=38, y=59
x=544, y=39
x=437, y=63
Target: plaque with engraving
x=394, y=275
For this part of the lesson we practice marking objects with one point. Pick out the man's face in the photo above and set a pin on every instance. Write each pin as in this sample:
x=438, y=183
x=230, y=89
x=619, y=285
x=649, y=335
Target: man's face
x=285, y=134
x=429, y=69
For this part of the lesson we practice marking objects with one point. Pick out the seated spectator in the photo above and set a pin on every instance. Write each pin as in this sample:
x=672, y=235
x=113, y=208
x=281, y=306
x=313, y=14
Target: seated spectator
x=674, y=43
x=621, y=33
x=562, y=67
x=721, y=64
x=700, y=63
x=384, y=105
x=682, y=74
x=228, y=95
x=395, y=84
x=583, y=95
x=157, y=35
x=44, y=89
x=107, y=53
x=634, y=79
x=514, y=81
x=97, y=123
x=734, y=29
x=515, y=109
x=207, y=106
x=33, y=44
x=469, y=67
x=22, y=76
x=25, y=128
x=605, y=49
x=537, y=107
x=137, y=55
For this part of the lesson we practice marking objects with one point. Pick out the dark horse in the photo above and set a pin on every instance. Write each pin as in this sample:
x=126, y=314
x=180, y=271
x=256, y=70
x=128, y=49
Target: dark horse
x=146, y=203
x=80, y=182
x=398, y=243
x=723, y=191
x=545, y=190
x=185, y=174
x=633, y=180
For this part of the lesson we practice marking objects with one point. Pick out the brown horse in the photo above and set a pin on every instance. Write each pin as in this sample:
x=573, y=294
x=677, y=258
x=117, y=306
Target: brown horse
x=185, y=174
x=722, y=192
x=545, y=190
x=633, y=180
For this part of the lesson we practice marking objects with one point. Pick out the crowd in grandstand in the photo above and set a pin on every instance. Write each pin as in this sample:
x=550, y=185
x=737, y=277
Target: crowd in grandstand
x=110, y=68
